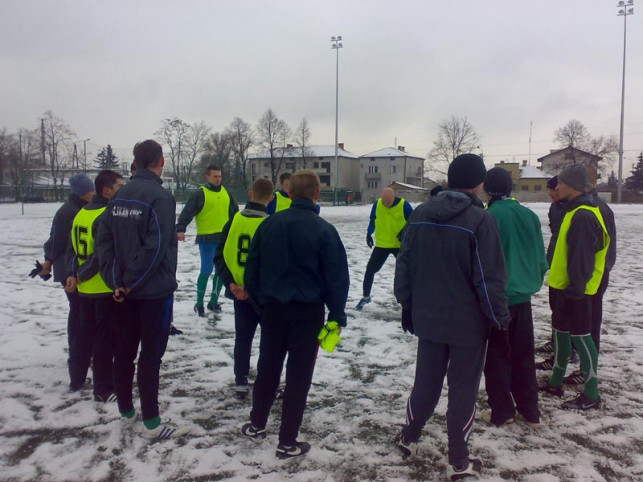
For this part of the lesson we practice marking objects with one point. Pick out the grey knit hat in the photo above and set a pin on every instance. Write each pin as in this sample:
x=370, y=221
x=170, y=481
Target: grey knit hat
x=80, y=184
x=575, y=176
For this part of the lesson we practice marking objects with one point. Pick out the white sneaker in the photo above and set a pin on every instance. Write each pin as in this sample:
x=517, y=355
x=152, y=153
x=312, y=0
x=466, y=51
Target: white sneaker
x=164, y=431
x=472, y=469
x=128, y=422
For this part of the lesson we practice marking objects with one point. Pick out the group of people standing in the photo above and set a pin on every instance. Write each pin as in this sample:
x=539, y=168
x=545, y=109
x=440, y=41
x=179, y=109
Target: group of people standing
x=464, y=277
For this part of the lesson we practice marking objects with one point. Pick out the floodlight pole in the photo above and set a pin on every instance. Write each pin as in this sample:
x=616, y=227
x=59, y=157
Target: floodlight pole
x=336, y=44
x=624, y=11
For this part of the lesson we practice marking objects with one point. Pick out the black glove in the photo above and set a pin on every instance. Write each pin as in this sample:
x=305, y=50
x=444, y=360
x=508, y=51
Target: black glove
x=369, y=241
x=499, y=341
x=407, y=321
x=38, y=269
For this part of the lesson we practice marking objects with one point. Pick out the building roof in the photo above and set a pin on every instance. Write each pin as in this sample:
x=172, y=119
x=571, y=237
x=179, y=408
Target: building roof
x=530, y=172
x=569, y=148
x=408, y=186
x=312, y=151
x=390, y=152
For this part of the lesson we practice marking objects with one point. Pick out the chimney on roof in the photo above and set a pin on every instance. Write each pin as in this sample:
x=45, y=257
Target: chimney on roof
x=524, y=163
x=401, y=148
x=502, y=162
x=340, y=145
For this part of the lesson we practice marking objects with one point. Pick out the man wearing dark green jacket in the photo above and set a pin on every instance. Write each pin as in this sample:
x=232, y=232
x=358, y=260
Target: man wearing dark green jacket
x=511, y=380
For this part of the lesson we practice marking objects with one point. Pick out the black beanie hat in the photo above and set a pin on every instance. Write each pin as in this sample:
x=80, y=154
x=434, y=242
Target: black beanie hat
x=575, y=176
x=498, y=182
x=466, y=171
x=552, y=183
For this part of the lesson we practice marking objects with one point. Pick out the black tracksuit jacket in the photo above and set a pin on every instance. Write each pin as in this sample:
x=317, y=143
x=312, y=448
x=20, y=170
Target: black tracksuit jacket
x=451, y=271
x=136, y=241
x=56, y=246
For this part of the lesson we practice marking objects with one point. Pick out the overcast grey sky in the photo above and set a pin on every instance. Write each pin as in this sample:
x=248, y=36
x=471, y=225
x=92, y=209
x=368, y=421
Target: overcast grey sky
x=113, y=70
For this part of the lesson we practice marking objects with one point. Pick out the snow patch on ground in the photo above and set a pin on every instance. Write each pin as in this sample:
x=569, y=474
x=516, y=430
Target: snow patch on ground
x=356, y=404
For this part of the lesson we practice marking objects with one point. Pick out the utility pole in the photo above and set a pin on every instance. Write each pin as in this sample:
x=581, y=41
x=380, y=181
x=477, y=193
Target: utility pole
x=336, y=43
x=623, y=11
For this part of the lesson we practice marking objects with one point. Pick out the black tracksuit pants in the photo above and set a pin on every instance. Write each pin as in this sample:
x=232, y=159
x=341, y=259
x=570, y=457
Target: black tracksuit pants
x=245, y=326
x=513, y=379
x=144, y=322
x=463, y=369
x=597, y=310
x=94, y=339
x=375, y=263
x=286, y=329
x=73, y=328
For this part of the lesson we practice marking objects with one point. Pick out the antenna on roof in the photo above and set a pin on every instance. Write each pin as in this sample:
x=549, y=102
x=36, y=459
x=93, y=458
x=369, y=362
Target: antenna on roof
x=531, y=124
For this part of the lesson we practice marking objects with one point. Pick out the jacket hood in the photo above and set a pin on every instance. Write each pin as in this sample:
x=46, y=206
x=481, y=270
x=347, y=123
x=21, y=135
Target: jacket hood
x=448, y=204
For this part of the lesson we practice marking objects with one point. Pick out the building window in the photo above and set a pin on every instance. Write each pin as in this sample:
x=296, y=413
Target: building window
x=254, y=169
x=372, y=159
x=524, y=188
x=324, y=180
x=326, y=165
x=321, y=158
x=392, y=158
x=373, y=169
x=372, y=184
x=392, y=169
x=290, y=165
x=315, y=165
x=265, y=164
x=538, y=187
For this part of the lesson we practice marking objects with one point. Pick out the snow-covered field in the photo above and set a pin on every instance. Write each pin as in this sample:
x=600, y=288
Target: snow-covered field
x=355, y=407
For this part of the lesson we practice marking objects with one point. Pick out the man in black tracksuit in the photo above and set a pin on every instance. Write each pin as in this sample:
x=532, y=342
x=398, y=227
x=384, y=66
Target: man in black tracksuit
x=137, y=249
x=610, y=261
x=95, y=340
x=450, y=278
x=82, y=190
x=230, y=261
x=575, y=275
x=296, y=265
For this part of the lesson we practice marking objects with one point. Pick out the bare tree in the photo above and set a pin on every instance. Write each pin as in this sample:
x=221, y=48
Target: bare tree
x=241, y=138
x=58, y=145
x=28, y=156
x=7, y=143
x=196, y=145
x=174, y=134
x=574, y=134
x=273, y=134
x=302, y=138
x=455, y=136
x=218, y=149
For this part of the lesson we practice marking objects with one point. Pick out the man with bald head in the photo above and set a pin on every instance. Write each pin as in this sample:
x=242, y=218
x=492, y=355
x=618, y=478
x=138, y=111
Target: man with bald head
x=388, y=219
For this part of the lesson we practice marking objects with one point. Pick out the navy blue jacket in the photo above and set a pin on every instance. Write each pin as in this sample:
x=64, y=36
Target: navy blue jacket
x=136, y=241
x=59, y=236
x=451, y=271
x=296, y=256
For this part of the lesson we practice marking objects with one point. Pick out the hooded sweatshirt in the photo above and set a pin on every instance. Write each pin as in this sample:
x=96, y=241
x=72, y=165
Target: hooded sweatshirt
x=451, y=271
